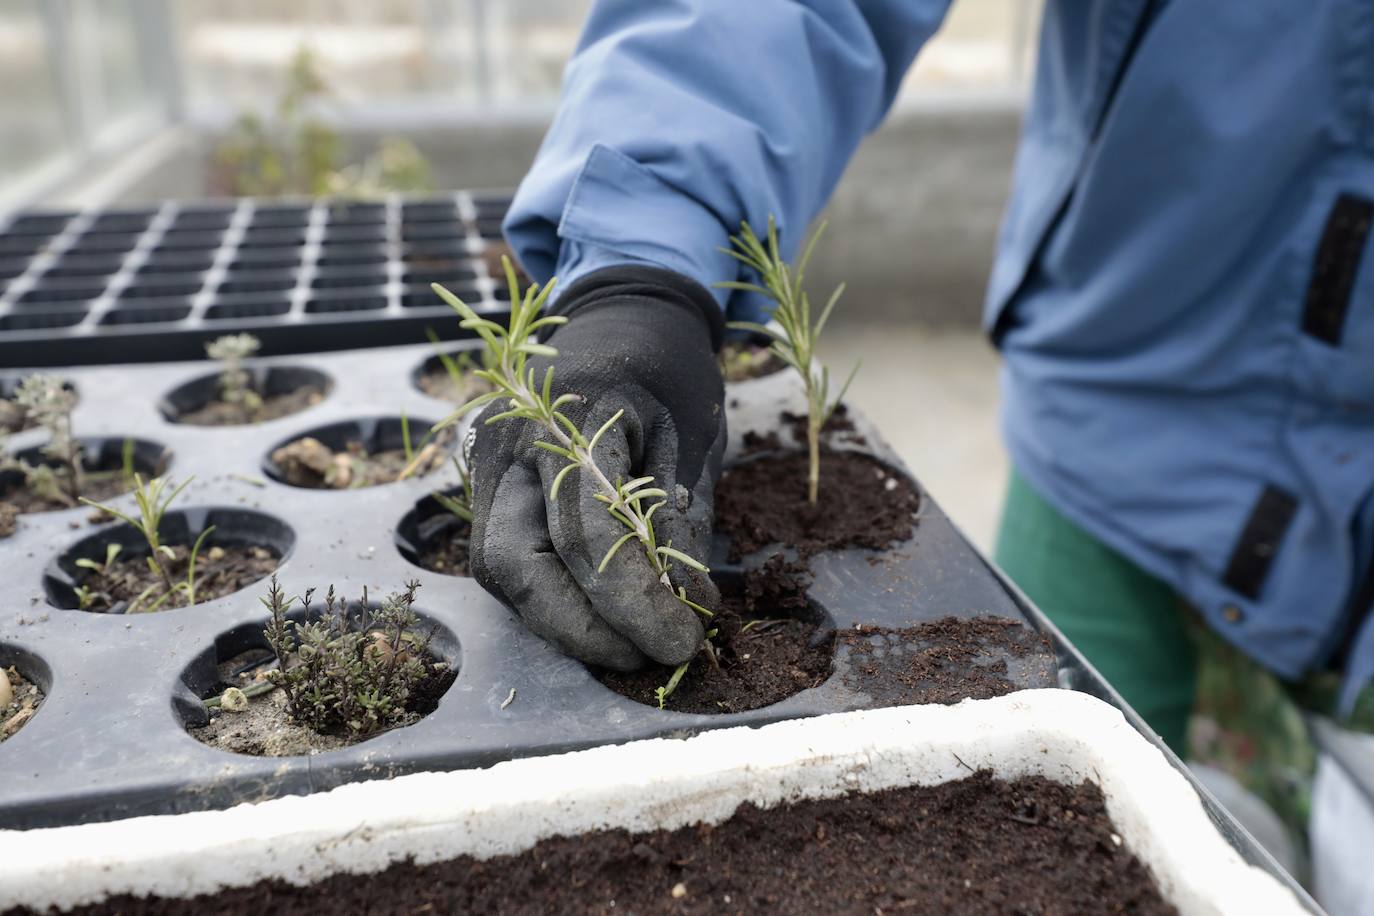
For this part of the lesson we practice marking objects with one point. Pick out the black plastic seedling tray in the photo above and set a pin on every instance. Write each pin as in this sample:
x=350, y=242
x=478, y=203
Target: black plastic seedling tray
x=143, y=285
x=110, y=740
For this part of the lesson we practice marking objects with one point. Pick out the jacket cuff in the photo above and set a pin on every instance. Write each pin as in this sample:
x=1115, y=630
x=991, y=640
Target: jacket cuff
x=644, y=282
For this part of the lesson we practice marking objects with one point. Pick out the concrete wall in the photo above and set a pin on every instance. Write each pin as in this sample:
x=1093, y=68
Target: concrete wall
x=912, y=224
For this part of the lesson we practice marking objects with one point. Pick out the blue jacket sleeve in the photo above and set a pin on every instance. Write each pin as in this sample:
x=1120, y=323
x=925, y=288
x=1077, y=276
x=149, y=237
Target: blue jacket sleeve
x=680, y=118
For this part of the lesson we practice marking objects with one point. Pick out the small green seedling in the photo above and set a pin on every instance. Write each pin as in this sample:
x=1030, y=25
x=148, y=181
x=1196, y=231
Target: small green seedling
x=630, y=502
x=154, y=498
x=794, y=340
x=460, y=503
x=351, y=673
x=235, y=383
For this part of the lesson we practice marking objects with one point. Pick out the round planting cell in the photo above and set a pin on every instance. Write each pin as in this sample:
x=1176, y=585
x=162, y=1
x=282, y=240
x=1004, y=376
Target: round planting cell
x=449, y=376
x=772, y=641
x=283, y=390
x=264, y=727
x=244, y=547
x=433, y=538
x=358, y=453
x=27, y=679
x=104, y=462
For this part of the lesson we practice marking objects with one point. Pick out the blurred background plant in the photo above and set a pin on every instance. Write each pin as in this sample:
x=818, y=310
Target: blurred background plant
x=292, y=152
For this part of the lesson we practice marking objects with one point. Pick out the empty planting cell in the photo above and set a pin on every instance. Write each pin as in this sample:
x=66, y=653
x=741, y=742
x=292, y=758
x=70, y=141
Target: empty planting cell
x=22, y=245
x=151, y=286
x=256, y=306
x=358, y=453
x=344, y=301
x=194, y=220
x=272, y=238
x=39, y=224
x=355, y=214
x=13, y=267
x=188, y=241
x=350, y=234
x=413, y=297
x=121, y=222
x=351, y=255
x=257, y=281
x=177, y=262
x=108, y=572
x=268, y=725
x=147, y=311
x=454, y=273
x=38, y=320
x=98, y=242
x=93, y=267
x=27, y=680
x=445, y=229
x=267, y=259
x=429, y=254
x=363, y=275
x=429, y=211
x=61, y=291
x=490, y=227
x=280, y=391
x=284, y=216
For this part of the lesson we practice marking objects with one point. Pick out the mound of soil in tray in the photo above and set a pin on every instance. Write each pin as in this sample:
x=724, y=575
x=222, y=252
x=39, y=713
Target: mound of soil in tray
x=220, y=571
x=265, y=728
x=439, y=384
x=861, y=503
x=977, y=845
x=937, y=662
x=24, y=697
x=765, y=647
x=310, y=463
x=224, y=413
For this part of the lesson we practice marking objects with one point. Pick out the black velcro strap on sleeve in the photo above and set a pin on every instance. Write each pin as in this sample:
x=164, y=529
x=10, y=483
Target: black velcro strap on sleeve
x=1335, y=267
x=1259, y=542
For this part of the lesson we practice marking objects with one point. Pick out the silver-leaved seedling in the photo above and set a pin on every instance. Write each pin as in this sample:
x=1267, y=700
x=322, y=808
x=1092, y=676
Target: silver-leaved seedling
x=235, y=384
x=527, y=397
x=796, y=335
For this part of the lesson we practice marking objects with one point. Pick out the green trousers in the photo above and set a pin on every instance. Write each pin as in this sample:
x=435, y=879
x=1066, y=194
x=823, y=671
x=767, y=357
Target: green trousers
x=1131, y=626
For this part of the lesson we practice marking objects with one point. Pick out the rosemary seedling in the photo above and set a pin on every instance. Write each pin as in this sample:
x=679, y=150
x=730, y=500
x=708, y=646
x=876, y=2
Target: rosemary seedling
x=532, y=399
x=235, y=384
x=794, y=339
x=153, y=499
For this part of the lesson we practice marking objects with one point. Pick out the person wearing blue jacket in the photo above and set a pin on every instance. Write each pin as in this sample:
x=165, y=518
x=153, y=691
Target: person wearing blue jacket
x=1181, y=296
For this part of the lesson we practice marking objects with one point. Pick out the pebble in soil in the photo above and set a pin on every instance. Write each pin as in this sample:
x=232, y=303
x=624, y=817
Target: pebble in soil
x=310, y=463
x=861, y=503
x=19, y=700
x=272, y=407
x=976, y=846
x=220, y=571
x=265, y=727
x=769, y=646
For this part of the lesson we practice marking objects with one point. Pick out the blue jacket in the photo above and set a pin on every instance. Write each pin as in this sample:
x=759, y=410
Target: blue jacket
x=1181, y=290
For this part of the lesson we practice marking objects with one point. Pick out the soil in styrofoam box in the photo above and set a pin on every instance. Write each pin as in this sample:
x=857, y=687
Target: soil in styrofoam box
x=977, y=845
x=219, y=571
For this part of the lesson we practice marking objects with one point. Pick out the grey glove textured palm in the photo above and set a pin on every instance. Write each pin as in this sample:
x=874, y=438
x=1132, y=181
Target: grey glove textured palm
x=641, y=340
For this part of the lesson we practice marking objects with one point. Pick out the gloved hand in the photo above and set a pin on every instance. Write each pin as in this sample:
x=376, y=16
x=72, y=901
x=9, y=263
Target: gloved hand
x=641, y=339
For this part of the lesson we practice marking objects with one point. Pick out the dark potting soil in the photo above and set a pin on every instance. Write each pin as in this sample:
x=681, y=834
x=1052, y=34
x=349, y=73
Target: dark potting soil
x=938, y=662
x=766, y=647
x=224, y=413
x=265, y=728
x=838, y=424
x=449, y=554
x=861, y=503
x=220, y=571
x=99, y=486
x=24, y=699
x=310, y=463
x=977, y=845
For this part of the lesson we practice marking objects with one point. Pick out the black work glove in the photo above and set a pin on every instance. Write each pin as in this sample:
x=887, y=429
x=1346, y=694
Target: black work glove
x=641, y=339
